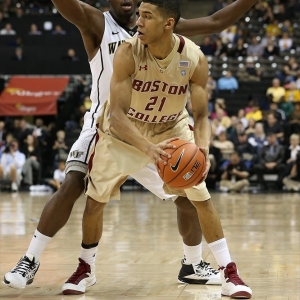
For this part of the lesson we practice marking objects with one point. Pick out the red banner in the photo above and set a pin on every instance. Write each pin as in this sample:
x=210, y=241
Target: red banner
x=27, y=96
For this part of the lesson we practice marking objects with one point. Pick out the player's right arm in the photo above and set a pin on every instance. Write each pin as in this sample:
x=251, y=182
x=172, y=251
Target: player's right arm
x=120, y=100
x=88, y=19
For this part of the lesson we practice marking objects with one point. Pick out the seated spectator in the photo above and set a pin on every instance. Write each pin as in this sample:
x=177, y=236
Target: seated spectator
x=58, y=30
x=277, y=91
x=292, y=181
x=239, y=129
x=7, y=30
x=228, y=82
x=251, y=127
x=258, y=139
x=211, y=87
x=60, y=148
x=254, y=48
x=270, y=162
x=33, y=161
x=239, y=49
x=292, y=153
x=249, y=107
x=255, y=114
x=21, y=134
x=295, y=119
x=290, y=71
x=241, y=117
x=249, y=72
x=261, y=7
x=278, y=113
x=287, y=107
x=12, y=161
x=292, y=94
x=270, y=49
x=40, y=133
x=287, y=27
x=234, y=177
x=227, y=35
x=58, y=176
x=219, y=105
x=18, y=54
x=273, y=28
x=226, y=147
x=71, y=55
x=207, y=46
x=285, y=43
x=245, y=150
x=34, y=30
x=220, y=50
x=281, y=15
x=273, y=126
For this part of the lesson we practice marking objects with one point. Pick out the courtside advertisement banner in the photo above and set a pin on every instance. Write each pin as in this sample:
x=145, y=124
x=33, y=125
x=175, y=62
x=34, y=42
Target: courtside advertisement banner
x=27, y=96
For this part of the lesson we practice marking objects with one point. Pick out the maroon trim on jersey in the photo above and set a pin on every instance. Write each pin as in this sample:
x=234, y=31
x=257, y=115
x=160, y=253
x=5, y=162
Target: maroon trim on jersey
x=181, y=44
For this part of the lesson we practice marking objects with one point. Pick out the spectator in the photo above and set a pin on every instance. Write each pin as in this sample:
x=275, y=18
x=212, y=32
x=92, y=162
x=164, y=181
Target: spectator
x=273, y=126
x=207, y=46
x=60, y=148
x=270, y=162
x=242, y=118
x=278, y=113
x=281, y=15
x=251, y=127
x=276, y=90
x=226, y=147
x=295, y=119
x=7, y=30
x=292, y=153
x=249, y=72
x=287, y=107
x=211, y=87
x=71, y=55
x=12, y=161
x=293, y=94
x=21, y=134
x=273, y=28
x=254, y=49
x=58, y=30
x=34, y=30
x=2, y=135
x=245, y=150
x=290, y=71
x=258, y=139
x=228, y=82
x=239, y=49
x=40, y=133
x=298, y=80
x=287, y=27
x=227, y=35
x=234, y=177
x=271, y=49
x=255, y=114
x=33, y=161
x=87, y=103
x=220, y=50
x=58, y=176
x=18, y=54
x=219, y=105
x=285, y=43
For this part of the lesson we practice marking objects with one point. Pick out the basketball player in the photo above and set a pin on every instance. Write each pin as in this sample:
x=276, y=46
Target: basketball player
x=154, y=70
x=102, y=33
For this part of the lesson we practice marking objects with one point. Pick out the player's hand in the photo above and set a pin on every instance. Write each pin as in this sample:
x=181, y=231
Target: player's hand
x=155, y=151
x=205, y=151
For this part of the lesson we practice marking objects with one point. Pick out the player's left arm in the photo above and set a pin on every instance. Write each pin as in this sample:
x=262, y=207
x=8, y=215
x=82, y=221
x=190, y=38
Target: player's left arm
x=215, y=23
x=199, y=100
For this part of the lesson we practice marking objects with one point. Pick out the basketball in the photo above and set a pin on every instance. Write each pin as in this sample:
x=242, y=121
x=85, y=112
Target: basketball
x=185, y=167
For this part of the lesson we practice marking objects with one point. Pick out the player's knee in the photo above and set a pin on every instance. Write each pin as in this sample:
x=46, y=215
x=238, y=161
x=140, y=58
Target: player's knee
x=93, y=207
x=73, y=184
x=184, y=205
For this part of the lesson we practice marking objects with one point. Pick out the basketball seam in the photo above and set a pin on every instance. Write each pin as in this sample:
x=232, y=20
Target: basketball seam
x=187, y=162
x=163, y=171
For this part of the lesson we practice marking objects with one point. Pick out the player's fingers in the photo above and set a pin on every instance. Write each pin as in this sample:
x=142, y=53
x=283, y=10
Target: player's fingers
x=168, y=141
x=164, y=153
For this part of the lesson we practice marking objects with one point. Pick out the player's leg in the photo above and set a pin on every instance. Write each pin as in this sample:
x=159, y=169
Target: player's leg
x=55, y=213
x=92, y=225
x=232, y=284
x=194, y=269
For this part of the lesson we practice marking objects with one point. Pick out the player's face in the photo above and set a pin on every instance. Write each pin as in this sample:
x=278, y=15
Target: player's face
x=123, y=9
x=150, y=23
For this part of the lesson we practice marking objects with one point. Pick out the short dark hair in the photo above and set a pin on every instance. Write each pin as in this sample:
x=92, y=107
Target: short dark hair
x=169, y=8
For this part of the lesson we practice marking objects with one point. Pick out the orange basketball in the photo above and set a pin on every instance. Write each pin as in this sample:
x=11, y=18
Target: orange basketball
x=185, y=167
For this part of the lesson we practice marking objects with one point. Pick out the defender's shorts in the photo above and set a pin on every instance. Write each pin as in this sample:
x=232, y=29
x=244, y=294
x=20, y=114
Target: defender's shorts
x=113, y=160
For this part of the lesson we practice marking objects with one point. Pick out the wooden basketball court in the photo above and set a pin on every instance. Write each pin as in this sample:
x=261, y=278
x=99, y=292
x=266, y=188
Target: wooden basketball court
x=141, y=250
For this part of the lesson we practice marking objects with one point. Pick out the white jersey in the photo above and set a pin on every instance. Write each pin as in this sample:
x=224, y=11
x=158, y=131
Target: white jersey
x=102, y=64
